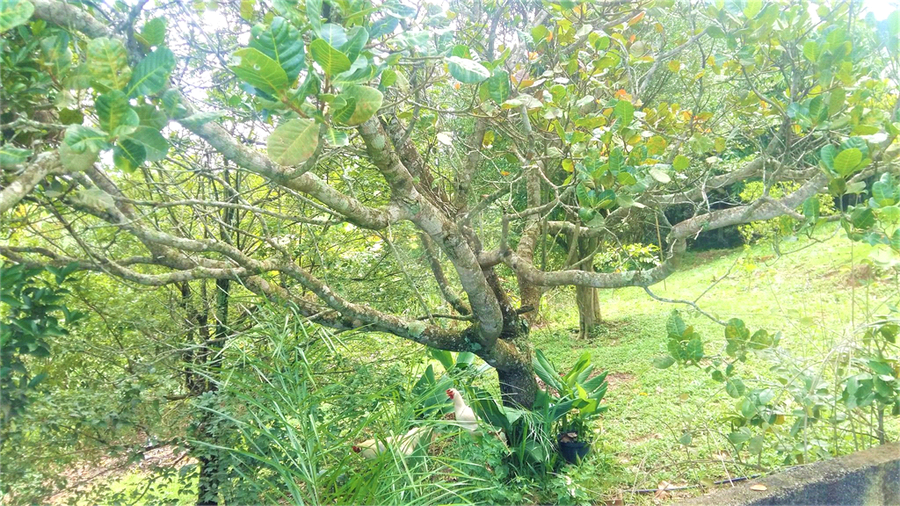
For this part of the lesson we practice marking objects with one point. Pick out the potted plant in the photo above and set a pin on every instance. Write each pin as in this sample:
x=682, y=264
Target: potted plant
x=573, y=400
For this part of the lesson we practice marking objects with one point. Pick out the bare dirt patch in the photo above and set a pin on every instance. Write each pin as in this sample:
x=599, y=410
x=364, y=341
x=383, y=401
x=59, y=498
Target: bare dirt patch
x=83, y=477
x=617, y=379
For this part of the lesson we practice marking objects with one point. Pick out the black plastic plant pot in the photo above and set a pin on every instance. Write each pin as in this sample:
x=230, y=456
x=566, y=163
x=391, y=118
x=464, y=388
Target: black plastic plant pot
x=574, y=451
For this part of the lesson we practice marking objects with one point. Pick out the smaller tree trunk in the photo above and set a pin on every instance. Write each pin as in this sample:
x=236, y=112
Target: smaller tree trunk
x=588, y=303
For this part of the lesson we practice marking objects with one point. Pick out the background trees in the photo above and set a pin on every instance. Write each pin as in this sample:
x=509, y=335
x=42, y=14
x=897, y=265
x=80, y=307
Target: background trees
x=425, y=170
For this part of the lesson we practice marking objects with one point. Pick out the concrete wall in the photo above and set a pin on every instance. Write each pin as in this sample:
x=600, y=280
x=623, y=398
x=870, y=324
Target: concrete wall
x=870, y=477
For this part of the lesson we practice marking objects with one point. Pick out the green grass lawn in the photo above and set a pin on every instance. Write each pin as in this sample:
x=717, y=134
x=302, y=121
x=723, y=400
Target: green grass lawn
x=814, y=296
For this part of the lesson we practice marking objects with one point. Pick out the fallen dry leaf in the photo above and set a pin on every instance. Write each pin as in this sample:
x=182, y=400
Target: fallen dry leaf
x=759, y=487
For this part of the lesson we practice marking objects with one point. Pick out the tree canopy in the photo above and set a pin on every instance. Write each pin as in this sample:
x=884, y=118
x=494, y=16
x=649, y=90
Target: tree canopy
x=347, y=157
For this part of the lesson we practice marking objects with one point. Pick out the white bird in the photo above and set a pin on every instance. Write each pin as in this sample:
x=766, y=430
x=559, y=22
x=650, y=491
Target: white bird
x=464, y=415
x=406, y=444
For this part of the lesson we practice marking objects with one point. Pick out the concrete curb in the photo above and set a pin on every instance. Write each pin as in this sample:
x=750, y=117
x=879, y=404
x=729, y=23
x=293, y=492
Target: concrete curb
x=870, y=477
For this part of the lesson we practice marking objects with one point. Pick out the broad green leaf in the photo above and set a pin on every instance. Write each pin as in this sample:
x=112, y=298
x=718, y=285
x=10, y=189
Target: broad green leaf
x=663, y=362
x=337, y=138
x=882, y=192
x=152, y=73
x=293, y=142
x=10, y=156
x=847, y=160
x=811, y=50
x=247, y=9
x=362, y=103
x=333, y=34
x=862, y=217
x=113, y=110
x=14, y=13
x=810, y=208
x=836, y=101
x=735, y=387
x=467, y=71
x=81, y=138
x=77, y=162
x=260, y=71
x=151, y=116
x=156, y=146
x=108, y=63
x=681, y=162
x=153, y=33
x=624, y=110
x=659, y=175
x=314, y=14
x=826, y=154
x=128, y=155
x=332, y=61
x=56, y=53
x=498, y=86
x=357, y=41
x=282, y=43
x=752, y=8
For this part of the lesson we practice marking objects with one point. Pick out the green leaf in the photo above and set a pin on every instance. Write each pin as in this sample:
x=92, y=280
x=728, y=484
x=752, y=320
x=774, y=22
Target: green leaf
x=14, y=13
x=56, y=53
x=847, y=160
x=156, y=146
x=282, y=43
x=681, y=162
x=882, y=192
x=498, y=86
x=10, y=156
x=811, y=208
x=811, y=50
x=862, y=217
x=357, y=41
x=332, y=61
x=152, y=73
x=624, y=110
x=735, y=387
x=337, y=138
x=113, y=110
x=260, y=71
x=467, y=71
x=752, y=8
x=675, y=326
x=659, y=175
x=362, y=103
x=836, y=101
x=293, y=142
x=81, y=138
x=153, y=33
x=663, y=362
x=314, y=14
x=826, y=154
x=128, y=155
x=77, y=162
x=108, y=63
x=739, y=437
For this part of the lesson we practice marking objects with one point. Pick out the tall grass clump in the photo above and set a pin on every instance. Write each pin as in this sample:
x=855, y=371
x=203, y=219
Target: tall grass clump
x=284, y=422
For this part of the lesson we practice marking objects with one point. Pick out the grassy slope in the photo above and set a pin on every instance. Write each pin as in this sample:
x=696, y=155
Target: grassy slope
x=806, y=295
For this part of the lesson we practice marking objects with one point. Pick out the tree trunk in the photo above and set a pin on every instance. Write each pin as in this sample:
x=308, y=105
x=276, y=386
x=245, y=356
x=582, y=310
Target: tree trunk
x=588, y=303
x=518, y=387
x=586, y=298
x=515, y=373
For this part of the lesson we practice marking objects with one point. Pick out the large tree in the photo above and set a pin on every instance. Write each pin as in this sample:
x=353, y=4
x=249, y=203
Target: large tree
x=339, y=155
